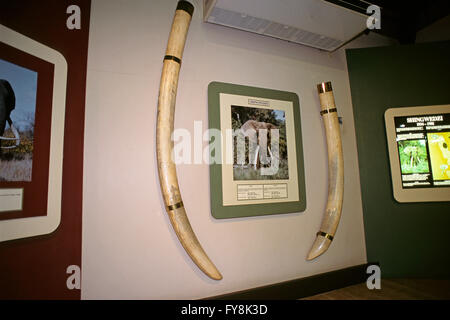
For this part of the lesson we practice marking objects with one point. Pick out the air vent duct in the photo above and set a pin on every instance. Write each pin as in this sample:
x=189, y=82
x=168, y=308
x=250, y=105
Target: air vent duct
x=316, y=23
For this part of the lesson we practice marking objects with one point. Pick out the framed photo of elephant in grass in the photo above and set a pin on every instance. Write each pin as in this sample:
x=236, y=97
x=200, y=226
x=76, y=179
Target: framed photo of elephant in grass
x=32, y=107
x=256, y=153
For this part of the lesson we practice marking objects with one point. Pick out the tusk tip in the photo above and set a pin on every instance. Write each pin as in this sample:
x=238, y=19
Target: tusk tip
x=313, y=255
x=319, y=246
x=213, y=272
x=217, y=276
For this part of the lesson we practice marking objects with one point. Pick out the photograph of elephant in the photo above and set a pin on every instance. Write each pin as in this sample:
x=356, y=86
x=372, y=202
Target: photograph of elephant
x=413, y=156
x=18, y=87
x=259, y=144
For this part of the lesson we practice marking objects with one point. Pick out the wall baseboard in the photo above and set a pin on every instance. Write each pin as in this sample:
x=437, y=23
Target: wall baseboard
x=303, y=287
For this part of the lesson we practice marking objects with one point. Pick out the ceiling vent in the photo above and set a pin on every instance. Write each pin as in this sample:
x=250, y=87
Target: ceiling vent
x=315, y=23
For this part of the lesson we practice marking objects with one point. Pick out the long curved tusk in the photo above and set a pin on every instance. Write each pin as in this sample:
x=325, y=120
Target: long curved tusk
x=164, y=144
x=335, y=172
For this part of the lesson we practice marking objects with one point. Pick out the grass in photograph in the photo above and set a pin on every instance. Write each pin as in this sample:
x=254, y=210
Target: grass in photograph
x=249, y=173
x=16, y=163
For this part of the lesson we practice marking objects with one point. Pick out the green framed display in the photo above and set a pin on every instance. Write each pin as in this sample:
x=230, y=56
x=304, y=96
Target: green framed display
x=256, y=157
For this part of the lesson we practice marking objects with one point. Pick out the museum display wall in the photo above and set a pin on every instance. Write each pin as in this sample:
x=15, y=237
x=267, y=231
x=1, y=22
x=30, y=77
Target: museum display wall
x=129, y=249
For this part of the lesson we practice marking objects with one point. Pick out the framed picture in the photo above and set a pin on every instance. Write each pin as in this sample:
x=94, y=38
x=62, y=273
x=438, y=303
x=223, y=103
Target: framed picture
x=418, y=141
x=256, y=153
x=33, y=93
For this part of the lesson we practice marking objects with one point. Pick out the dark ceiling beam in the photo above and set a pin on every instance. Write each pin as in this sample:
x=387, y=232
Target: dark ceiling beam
x=434, y=11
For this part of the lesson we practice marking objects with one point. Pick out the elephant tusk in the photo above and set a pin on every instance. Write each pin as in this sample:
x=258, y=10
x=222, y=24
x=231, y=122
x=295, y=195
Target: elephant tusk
x=16, y=136
x=164, y=144
x=335, y=172
x=8, y=139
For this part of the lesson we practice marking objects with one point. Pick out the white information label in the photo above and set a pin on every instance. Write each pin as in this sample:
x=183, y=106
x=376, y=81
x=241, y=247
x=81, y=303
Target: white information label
x=262, y=191
x=275, y=191
x=11, y=199
x=250, y=191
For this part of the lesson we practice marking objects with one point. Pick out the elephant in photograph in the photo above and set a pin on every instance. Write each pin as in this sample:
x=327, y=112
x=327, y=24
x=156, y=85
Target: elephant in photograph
x=413, y=155
x=251, y=129
x=7, y=104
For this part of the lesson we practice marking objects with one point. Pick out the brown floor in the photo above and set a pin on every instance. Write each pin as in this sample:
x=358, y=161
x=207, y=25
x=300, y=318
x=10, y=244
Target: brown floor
x=392, y=289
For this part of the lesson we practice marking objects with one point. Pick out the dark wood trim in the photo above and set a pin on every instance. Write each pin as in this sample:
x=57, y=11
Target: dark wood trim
x=303, y=287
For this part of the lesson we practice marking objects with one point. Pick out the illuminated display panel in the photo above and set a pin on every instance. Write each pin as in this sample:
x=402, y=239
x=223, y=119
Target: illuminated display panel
x=423, y=144
x=419, y=141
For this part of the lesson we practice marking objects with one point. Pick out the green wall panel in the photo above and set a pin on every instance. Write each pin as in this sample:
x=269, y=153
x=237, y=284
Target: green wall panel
x=409, y=239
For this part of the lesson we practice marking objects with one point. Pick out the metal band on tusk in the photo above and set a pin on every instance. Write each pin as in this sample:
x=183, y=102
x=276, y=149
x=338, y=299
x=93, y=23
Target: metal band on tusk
x=175, y=206
x=185, y=6
x=325, y=235
x=168, y=57
x=324, y=87
x=328, y=111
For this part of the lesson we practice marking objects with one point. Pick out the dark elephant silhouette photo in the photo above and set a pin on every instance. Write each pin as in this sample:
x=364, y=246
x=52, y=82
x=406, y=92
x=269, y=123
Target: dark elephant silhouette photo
x=18, y=92
x=7, y=104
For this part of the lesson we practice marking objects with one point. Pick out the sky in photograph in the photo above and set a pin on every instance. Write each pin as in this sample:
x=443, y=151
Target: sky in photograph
x=24, y=83
x=279, y=115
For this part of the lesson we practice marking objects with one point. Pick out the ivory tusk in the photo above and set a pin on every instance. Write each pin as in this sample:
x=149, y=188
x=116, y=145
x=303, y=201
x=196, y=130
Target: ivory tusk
x=8, y=139
x=335, y=172
x=16, y=136
x=164, y=144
